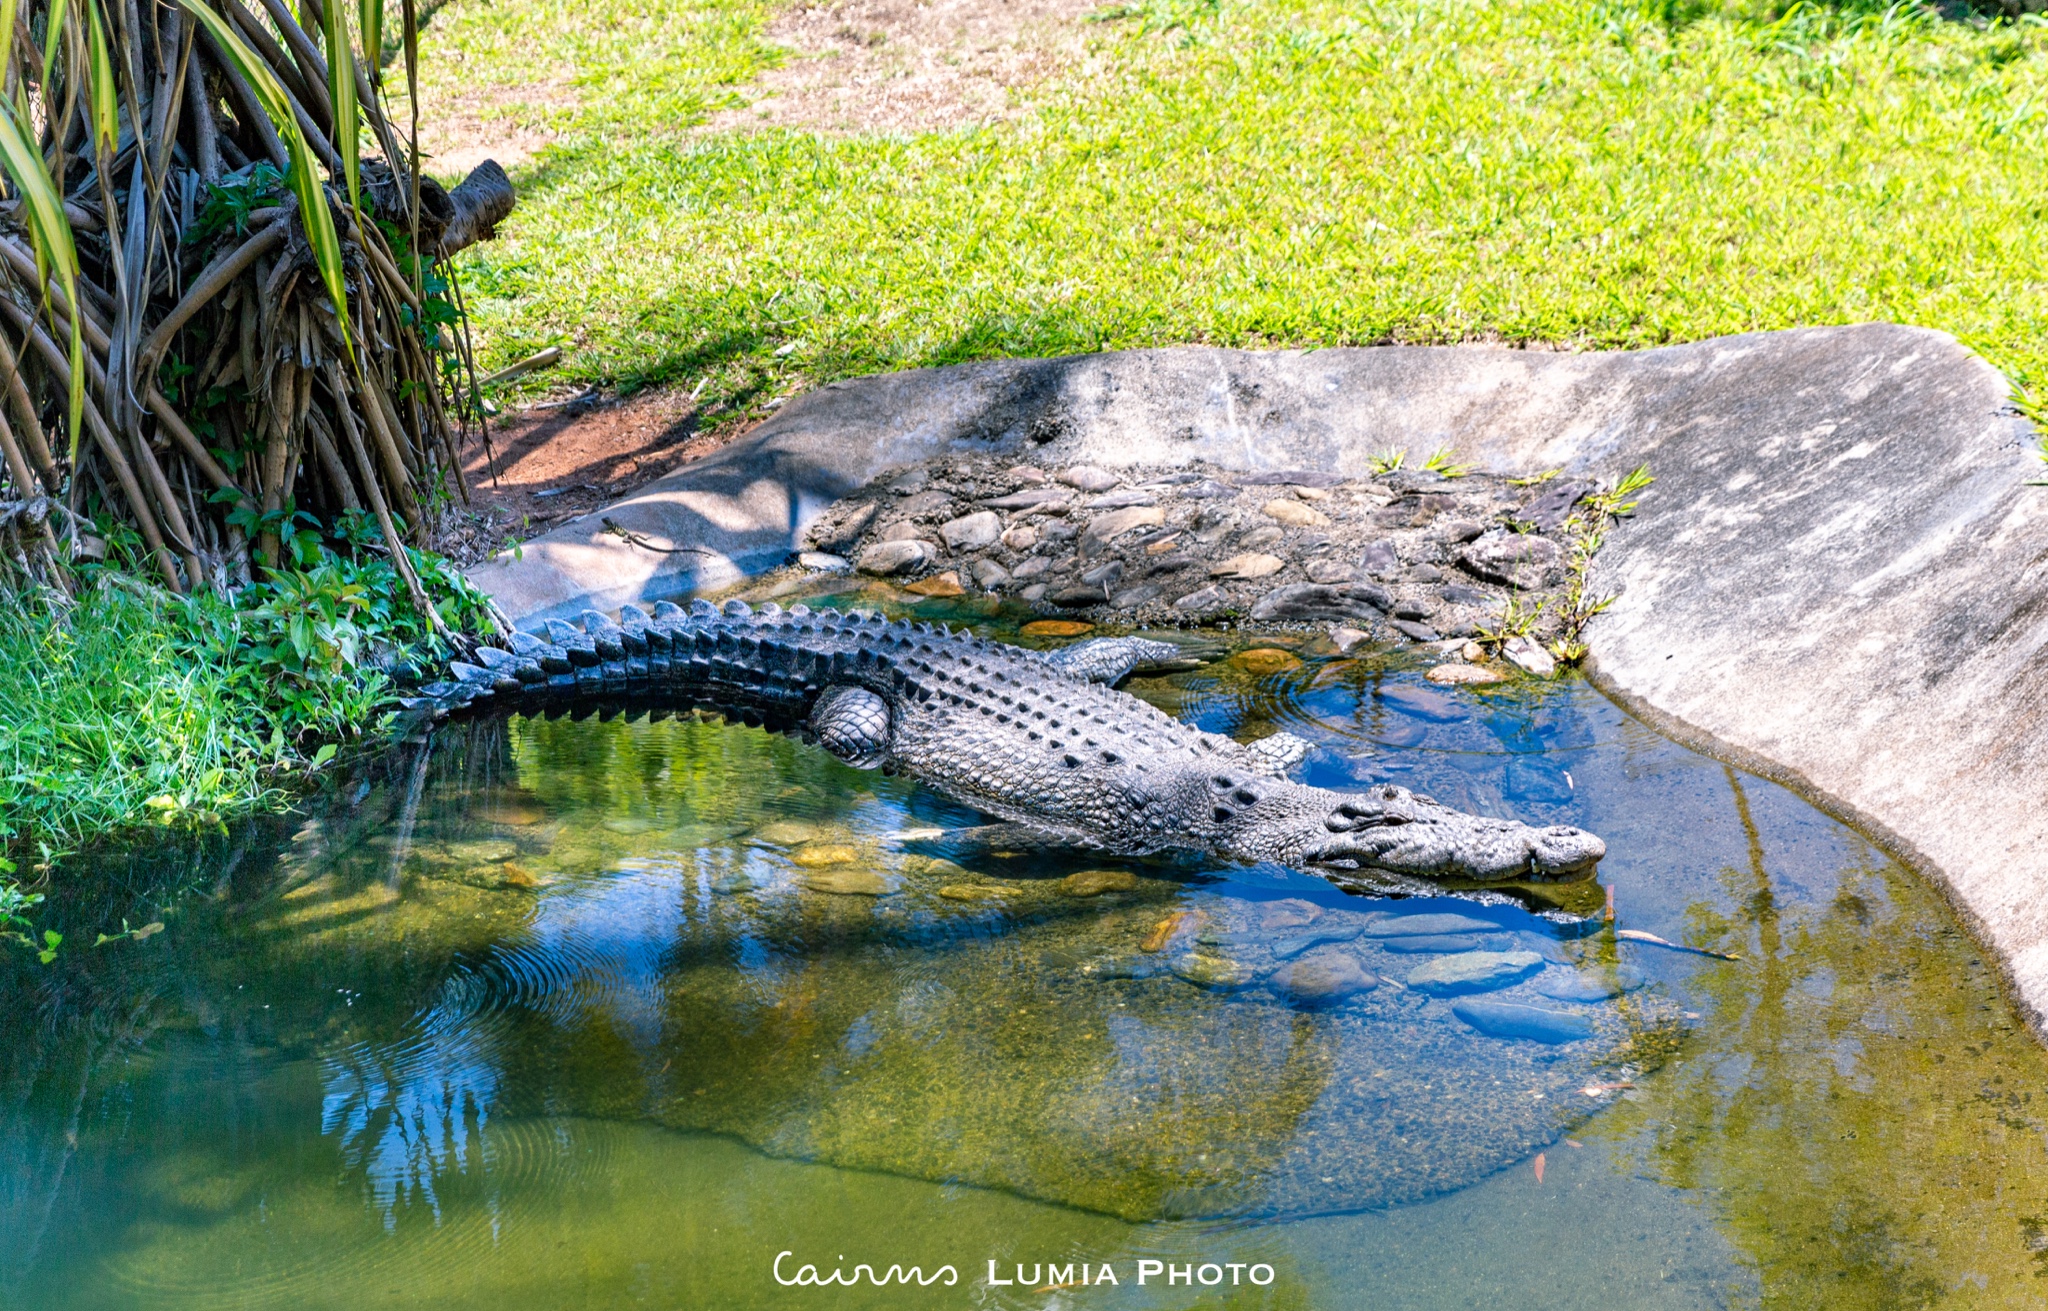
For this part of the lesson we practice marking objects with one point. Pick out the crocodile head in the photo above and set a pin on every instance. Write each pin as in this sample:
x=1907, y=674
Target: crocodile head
x=1391, y=828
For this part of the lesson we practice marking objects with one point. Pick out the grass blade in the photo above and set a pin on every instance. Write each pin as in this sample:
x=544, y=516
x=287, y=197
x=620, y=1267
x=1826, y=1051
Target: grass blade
x=304, y=180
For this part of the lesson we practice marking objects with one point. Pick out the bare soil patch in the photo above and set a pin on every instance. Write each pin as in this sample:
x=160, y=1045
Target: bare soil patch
x=902, y=66
x=465, y=122
x=561, y=461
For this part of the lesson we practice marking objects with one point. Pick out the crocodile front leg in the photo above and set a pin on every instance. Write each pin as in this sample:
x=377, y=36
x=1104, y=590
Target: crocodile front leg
x=853, y=724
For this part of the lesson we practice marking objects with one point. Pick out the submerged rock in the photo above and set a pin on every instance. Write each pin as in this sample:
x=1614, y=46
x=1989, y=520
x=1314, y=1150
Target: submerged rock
x=1211, y=971
x=1095, y=882
x=1120, y=967
x=1417, y=926
x=1587, y=985
x=1435, y=944
x=817, y=855
x=945, y=584
x=976, y=892
x=1465, y=675
x=1503, y=1019
x=1323, y=980
x=1473, y=971
x=1266, y=660
x=1315, y=937
x=1290, y=913
x=845, y=881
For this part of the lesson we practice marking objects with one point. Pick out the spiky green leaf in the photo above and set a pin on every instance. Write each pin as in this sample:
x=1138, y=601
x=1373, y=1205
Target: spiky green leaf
x=304, y=177
x=49, y=232
x=8, y=8
x=59, y=18
x=341, y=88
x=372, y=20
x=102, y=93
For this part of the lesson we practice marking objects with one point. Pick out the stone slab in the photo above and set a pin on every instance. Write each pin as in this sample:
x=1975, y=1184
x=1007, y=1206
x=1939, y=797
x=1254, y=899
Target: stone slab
x=1839, y=579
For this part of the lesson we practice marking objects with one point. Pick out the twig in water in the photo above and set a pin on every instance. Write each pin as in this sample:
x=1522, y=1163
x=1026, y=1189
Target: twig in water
x=1637, y=935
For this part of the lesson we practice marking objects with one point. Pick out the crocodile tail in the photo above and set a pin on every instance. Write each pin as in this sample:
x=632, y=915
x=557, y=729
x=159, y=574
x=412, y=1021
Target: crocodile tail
x=724, y=658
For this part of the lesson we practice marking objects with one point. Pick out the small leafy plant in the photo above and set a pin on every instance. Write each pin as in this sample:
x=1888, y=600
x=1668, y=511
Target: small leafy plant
x=1444, y=461
x=14, y=922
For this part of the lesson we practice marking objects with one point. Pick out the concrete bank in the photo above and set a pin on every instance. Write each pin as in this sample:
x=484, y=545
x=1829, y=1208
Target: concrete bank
x=1840, y=578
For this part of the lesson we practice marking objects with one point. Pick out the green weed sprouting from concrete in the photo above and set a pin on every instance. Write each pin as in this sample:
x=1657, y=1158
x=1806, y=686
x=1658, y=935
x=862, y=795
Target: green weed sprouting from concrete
x=1587, y=531
x=1444, y=461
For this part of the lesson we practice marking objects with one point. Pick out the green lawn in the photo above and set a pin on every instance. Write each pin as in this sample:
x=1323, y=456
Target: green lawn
x=1271, y=172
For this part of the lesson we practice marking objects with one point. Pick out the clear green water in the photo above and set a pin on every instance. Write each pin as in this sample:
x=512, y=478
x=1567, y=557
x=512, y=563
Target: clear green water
x=555, y=1014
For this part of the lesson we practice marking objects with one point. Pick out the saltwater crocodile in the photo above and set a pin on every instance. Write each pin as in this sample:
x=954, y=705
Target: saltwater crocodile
x=1041, y=741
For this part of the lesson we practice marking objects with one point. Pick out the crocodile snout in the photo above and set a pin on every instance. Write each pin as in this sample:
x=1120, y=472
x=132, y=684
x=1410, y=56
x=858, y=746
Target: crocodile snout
x=1394, y=829
x=1563, y=854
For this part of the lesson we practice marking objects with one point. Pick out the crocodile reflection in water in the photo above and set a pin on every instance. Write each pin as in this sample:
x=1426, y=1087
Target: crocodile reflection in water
x=1043, y=742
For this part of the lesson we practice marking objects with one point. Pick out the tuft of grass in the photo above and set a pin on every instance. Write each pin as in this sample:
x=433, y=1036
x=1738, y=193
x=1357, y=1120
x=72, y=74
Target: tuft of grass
x=111, y=705
x=1598, y=173
x=135, y=706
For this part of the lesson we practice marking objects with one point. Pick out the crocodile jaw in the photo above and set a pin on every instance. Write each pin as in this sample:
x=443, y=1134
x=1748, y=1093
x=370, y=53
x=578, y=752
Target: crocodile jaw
x=1393, y=829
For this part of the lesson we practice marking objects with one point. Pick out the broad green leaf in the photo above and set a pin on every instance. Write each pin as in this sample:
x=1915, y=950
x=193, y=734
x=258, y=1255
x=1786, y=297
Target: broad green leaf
x=304, y=178
x=50, y=233
x=341, y=88
x=102, y=93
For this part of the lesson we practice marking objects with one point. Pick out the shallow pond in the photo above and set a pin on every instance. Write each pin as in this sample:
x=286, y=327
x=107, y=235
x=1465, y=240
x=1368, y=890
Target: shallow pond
x=601, y=1013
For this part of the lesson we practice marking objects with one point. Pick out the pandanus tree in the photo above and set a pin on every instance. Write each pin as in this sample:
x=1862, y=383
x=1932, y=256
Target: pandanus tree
x=225, y=298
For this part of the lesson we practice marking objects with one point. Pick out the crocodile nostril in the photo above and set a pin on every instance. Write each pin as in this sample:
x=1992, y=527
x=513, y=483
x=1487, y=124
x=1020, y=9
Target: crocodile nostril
x=1224, y=814
x=1245, y=797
